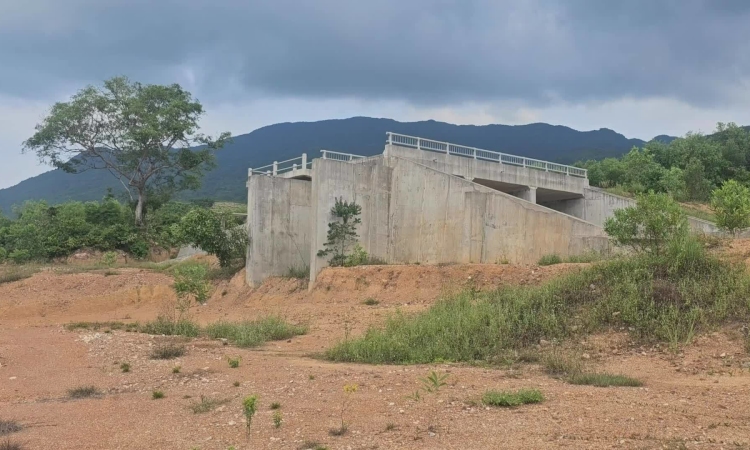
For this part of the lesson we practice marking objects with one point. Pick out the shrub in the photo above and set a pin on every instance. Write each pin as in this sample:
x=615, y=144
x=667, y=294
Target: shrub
x=249, y=406
x=190, y=283
x=234, y=362
x=168, y=351
x=512, y=398
x=125, y=367
x=548, y=260
x=275, y=405
x=370, y=301
x=83, y=392
x=215, y=232
x=649, y=225
x=731, y=203
x=109, y=259
x=156, y=395
x=277, y=419
x=10, y=445
x=254, y=333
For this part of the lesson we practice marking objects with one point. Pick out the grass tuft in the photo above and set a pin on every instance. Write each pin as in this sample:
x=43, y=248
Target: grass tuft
x=10, y=445
x=156, y=395
x=254, y=333
x=125, y=367
x=339, y=431
x=511, y=399
x=84, y=392
x=9, y=426
x=370, y=302
x=168, y=327
x=206, y=404
x=298, y=272
x=603, y=380
x=275, y=405
x=548, y=260
x=168, y=350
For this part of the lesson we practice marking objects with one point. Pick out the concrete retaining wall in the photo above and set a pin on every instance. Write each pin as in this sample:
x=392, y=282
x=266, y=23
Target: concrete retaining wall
x=413, y=213
x=278, y=226
x=598, y=205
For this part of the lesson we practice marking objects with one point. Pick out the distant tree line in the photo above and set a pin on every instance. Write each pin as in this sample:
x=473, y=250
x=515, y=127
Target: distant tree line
x=688, y=168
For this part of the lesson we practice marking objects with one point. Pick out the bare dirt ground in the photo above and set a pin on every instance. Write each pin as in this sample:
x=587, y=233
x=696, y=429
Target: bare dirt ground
x=698, y=398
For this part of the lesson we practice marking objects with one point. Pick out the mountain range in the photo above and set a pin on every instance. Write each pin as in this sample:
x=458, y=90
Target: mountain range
x=358, y=135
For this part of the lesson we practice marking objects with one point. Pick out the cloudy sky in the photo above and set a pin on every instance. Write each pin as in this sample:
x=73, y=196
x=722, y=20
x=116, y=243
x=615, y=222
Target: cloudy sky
x=640, y=67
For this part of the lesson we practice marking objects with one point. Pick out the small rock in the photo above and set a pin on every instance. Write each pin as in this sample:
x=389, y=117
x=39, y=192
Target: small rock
x=723, y=355
x=232, y=422
x=543, y=342
x=586, y=356
x=400, y=411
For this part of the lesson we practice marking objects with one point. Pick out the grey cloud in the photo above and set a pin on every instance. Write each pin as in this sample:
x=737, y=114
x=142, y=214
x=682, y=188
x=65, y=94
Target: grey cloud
x=425, y=52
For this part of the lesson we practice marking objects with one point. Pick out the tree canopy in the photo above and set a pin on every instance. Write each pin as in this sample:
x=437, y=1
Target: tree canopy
x=144, y=135
x=688, y=168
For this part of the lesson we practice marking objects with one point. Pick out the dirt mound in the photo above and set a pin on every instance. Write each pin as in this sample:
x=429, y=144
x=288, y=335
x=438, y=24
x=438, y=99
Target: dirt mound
x=49, y=297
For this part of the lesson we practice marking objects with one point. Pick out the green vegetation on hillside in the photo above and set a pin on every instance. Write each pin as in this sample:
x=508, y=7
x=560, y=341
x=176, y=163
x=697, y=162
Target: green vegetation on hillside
x=687, y=168
x=41, y=232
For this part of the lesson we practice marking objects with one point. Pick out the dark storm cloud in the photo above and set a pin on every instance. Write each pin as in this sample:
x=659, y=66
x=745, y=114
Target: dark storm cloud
x=425, y=52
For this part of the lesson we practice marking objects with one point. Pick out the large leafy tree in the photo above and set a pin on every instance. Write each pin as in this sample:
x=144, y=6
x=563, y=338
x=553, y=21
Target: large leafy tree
x=142, y=134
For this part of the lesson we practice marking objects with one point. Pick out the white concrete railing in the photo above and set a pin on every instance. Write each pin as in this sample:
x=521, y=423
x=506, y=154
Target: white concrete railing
x=484, y=155
x=338, y=156
x=277, y=167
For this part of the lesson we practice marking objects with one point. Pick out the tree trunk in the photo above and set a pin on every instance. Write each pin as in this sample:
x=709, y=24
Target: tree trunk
x=139, y=208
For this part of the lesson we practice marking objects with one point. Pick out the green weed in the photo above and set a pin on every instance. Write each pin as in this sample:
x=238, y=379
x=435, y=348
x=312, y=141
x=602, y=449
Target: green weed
x=603, y=380
x=512, y=398
x=254, y=333
x=370, y=302
x=298, y=272
x=277, y=419
x=125, y=367
x=234, y=362
x=548, y=260
x=669, y=297
x=167, y=327
x=275, y=405
x=156, y=395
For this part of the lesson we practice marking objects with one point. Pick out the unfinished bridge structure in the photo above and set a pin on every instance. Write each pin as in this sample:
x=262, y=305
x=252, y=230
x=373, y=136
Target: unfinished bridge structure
x=427, y=202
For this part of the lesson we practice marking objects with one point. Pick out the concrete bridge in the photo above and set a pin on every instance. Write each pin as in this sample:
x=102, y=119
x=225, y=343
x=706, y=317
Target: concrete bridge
x=425, y=201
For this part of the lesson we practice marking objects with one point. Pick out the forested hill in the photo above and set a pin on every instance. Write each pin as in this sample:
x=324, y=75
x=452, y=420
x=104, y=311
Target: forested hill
x=358, y=135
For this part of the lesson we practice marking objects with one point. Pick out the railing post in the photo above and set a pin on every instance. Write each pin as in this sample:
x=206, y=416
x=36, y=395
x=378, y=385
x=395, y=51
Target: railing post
x=323, y=152
x=304, y=160
x=249, y=172
x=294, y=167
x=567, y=170
x=474, y=151
x=419, y=142
x=275, y=168
x=546, y=167
x=390, y=138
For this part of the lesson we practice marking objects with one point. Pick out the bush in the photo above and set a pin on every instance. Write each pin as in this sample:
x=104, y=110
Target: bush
x=732, y=206
x=649, y=225
x=190, y=283
x=548, y=260
x=512, y=398
x=165, y=326
x=668, y=297
x=216, y=233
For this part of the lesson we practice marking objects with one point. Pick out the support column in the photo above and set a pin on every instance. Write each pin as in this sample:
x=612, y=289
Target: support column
x=528, y=194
